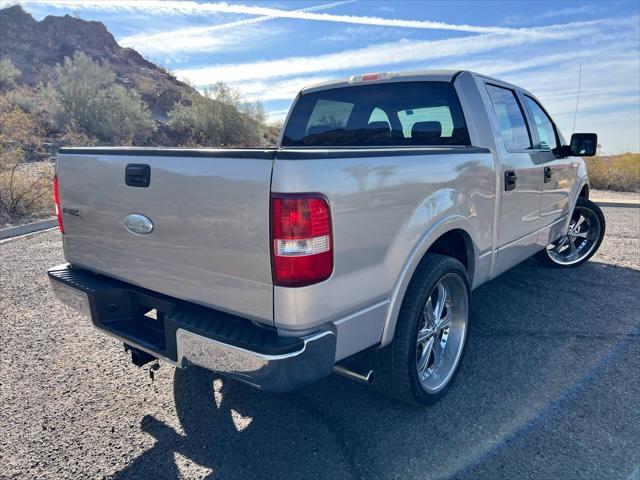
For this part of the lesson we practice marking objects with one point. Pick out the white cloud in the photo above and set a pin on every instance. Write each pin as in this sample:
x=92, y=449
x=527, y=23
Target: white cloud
x=190, y=7
x=209, y=38
x=148, y=45
x=560, y=12
x=164, y=7
x=279, y=90
x=402, y=51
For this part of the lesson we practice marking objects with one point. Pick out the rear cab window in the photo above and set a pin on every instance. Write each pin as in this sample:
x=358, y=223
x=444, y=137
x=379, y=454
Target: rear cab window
x=382, y=114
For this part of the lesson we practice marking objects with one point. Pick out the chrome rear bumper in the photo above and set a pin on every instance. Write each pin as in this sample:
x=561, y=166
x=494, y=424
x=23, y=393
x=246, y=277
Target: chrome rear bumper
x=275, y=373
x=184, y=334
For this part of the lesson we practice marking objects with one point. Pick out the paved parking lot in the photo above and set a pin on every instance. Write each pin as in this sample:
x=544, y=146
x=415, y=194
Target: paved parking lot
x=550, y=389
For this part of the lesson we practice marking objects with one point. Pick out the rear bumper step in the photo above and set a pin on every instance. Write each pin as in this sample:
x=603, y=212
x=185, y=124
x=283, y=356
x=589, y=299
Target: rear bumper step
x=183, y=334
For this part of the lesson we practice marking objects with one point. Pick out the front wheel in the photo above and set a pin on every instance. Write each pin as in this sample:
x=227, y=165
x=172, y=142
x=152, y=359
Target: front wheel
x=425, y=354
x=585, y=234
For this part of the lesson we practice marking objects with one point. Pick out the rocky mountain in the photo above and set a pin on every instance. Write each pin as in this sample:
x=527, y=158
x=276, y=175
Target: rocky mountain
x=35, y=47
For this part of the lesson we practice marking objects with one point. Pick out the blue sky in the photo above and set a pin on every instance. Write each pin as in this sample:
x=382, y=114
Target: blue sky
x=270, y=49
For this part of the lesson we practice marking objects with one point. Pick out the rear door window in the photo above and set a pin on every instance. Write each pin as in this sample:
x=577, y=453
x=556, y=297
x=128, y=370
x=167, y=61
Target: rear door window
x=392, y=114
x=510, y=118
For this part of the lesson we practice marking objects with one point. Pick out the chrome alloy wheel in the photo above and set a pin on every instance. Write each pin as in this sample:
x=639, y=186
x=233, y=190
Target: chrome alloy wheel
x=581, y=239
x=442, y=333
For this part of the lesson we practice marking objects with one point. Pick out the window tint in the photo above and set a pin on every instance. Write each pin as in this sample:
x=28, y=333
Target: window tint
x=398, y=113
x=510, y=118
x=544, y=125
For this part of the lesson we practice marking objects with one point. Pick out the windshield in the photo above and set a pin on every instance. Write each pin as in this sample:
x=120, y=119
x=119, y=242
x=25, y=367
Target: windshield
x=386, y=114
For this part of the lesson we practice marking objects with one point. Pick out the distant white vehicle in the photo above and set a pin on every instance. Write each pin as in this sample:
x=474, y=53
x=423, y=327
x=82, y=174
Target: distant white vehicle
x=388, y=199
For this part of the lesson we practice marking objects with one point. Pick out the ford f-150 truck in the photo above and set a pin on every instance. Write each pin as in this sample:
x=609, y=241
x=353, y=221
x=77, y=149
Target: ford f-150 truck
x=389, y=198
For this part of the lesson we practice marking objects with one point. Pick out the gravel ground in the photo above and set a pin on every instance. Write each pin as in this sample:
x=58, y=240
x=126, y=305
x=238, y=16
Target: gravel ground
x=549, y=389
x=613, y=196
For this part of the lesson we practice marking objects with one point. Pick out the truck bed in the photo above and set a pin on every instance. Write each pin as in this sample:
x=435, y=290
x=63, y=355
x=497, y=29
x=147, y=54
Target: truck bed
x=210, y=214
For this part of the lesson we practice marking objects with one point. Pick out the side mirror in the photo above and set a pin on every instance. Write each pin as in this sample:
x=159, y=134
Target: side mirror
x=583, y=144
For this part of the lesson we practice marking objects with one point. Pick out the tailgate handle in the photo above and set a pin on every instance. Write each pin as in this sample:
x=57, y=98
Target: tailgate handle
x=137, y=175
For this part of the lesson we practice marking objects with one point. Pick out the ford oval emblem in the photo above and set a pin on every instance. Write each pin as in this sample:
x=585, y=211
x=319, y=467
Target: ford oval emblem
x=138, y=224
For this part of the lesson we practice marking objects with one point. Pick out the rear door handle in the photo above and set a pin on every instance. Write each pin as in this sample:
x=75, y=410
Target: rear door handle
x=510, y=179
x=137, y=175
x=548, y=173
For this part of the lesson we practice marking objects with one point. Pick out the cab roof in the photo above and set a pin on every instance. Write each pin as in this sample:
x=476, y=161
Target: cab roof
x=406, y=76
x=414, y=75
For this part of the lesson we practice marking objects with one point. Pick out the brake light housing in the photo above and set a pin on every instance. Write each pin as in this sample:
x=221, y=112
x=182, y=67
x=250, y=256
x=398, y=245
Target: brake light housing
x=56, y=200
x=301, y=239
x=371, y=77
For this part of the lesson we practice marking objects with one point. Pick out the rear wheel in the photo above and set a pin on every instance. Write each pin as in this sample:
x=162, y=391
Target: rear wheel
x=585, y=234
x=420, y=363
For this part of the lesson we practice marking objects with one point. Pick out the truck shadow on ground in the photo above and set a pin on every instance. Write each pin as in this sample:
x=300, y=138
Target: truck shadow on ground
x=535, y=338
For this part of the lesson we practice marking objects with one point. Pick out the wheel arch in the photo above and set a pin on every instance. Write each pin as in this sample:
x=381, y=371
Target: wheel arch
x=448, y=237
x=455, y=243
x=584, y=191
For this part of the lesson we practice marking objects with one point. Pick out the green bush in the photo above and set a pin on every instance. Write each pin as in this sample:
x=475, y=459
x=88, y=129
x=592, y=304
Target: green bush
x=8, y=74
x=24, y=98
x=217, y=118
x=618, y=172
x=126, y=119
x=228, y=95
x=83, y=96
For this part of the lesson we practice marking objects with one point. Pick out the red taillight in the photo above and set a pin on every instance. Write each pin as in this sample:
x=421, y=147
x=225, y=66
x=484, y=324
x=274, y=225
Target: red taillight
x=56, y=199
x=302, y=244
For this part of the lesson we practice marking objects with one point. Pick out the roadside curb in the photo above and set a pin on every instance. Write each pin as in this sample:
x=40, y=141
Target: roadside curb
x=28, y=228
x=614, y=203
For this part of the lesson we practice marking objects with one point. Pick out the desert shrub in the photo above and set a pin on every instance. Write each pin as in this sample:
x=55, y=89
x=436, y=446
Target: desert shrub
x=83, y=96
x=277, y=125
x=23, y=98
x=25, y=188
x=228, y=95
x=219, y=117
x=72, y=137
x=8, y=74
x=618, y=172
x=126, y=120
x=146, y=86
x=19, y=131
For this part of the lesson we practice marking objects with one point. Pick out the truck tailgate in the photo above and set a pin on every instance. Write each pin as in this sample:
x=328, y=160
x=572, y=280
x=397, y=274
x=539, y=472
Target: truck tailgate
x=210, y=216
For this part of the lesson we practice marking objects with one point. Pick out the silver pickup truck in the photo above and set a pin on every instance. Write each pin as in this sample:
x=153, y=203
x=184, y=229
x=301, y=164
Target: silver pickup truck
x=390, y=197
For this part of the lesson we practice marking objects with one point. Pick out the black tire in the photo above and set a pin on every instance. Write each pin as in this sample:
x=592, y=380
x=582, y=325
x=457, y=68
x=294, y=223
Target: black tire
x=396, y=372
x=582, y=204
